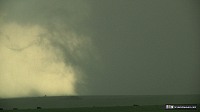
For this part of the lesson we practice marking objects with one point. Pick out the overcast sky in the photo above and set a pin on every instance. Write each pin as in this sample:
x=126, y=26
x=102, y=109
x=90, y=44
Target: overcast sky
x=99, y=47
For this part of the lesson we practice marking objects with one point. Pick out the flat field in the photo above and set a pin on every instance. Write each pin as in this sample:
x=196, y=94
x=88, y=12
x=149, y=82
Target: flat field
x=146, y=108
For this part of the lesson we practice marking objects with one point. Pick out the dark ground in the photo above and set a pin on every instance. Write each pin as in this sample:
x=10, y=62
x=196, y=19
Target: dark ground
x=146, y=108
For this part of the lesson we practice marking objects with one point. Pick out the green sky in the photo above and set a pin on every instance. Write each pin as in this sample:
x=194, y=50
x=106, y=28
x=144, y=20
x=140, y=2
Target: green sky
x=128, y=47
x=147, y=47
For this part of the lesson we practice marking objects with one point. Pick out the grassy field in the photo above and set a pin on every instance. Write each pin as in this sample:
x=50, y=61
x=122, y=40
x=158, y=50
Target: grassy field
x=155, y=108
x=98, y=103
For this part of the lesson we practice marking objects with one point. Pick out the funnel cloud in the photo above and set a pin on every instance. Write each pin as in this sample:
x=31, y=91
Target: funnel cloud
x=37, y=53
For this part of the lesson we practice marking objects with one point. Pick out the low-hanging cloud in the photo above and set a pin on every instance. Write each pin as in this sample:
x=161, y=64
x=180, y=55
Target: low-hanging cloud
x=37, y=55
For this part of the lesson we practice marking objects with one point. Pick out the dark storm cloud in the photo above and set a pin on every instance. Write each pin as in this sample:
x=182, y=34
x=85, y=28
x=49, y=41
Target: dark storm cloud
x=142, y=47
